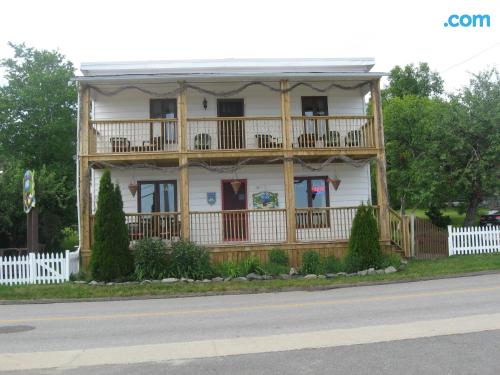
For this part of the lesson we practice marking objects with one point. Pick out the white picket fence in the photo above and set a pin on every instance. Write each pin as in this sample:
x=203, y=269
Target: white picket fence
x=39, y=268
x=473, y=240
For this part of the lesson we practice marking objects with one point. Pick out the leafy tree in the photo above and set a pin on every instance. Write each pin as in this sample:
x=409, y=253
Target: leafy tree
x=364, y=248
x=111, y=258
x=37, y=131
x=413, y=80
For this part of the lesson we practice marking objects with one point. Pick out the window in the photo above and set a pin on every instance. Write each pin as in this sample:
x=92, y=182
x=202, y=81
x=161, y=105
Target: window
x=157, y=196
x=311, y=195
x=164, y=108
x=315, y=106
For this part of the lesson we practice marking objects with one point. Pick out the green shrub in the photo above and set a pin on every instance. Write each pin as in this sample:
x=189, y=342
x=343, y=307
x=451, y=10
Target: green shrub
x=227, y=268
x=70, y=239
x=189, y=260
x=332, y=264
x=437, y=218
x=250, y=265
x=150, y=259
x=274, y=269
x=391, y=259
x=311, y=263
x=278, y=256
x=364, y=248
x=111, y=258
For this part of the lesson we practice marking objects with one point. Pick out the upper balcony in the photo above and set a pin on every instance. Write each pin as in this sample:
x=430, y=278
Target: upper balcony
x=215, y=134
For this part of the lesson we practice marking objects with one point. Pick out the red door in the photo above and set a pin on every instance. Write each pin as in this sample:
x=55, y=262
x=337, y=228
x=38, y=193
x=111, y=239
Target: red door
x=234, y=204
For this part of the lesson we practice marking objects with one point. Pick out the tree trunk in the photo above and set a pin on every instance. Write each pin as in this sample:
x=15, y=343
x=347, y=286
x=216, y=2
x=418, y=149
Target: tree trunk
x=474, y=200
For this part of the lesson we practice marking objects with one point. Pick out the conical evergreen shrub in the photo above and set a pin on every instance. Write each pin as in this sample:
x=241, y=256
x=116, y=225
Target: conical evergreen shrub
x=364, y=247
x=111, y=258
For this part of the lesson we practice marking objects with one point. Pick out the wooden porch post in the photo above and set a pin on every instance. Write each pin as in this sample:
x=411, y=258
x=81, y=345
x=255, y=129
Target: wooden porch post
x=183, y=163
x=382, y=194
x=288, y=173
x=84, y=177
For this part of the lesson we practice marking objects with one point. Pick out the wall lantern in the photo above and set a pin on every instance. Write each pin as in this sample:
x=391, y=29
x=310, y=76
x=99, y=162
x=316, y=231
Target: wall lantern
x=205, y=103
x=235, y=184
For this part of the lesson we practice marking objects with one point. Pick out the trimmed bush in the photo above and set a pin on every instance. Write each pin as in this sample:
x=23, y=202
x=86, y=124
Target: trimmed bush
x=274, y=269
x=437, y=218
x=111, y=258
x=364, y=248
x=227, y=268
x=278, y=256
x=189, y=260
x=150, y=259
x=311, y=263
x=331, y=264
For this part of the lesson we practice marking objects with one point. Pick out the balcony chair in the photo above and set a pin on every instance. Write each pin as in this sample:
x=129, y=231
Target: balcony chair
x=332, y=139
x=307, y=140
x=155, y=144
x=354, y=138
x=267, y=141
x=119, y=144
x=202, y=141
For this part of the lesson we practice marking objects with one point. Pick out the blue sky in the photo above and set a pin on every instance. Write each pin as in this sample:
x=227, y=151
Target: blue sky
x=394, y=32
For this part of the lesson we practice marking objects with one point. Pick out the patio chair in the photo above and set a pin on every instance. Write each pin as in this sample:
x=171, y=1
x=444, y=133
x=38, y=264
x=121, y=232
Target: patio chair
x=119, y=144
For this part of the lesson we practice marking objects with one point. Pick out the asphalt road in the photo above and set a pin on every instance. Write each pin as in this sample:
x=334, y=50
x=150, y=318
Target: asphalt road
x=449, y=326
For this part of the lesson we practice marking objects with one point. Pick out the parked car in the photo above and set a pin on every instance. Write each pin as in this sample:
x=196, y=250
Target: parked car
x=491, y=218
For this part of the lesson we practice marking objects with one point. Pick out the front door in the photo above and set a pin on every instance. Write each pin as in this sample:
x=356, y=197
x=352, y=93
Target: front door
x=232, y=131
x=314, y=129
x=234, y=198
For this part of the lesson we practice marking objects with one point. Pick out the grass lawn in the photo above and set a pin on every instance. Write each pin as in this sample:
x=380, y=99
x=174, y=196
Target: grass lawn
x=457, y=219
x=415, y=269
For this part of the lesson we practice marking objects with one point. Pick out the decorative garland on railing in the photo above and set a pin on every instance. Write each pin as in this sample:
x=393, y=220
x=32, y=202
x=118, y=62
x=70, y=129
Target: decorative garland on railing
x=241, y=163
x=202, y=90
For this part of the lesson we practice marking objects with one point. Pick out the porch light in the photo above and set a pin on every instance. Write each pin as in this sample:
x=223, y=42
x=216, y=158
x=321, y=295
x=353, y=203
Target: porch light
x=205, y=103
x=132, y=187
x=235, y=184
x=335, y=181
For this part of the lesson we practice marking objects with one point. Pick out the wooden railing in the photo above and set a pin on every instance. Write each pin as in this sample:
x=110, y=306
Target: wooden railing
x=400, y=231
x=118, y=136
x=324, y=224
x=238, y=226
x=232, y=133
x=333, y=132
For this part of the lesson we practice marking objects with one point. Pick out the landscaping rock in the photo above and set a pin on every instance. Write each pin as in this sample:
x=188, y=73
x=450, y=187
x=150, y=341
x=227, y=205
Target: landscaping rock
x=321, y=277
x=80, y=282
x=110, y=283
x=93, y=282
x=371, y=271
x=144, y=282
x=379, y=272
x=310, y=276
x=170, y=280
x=390, y=269
x=363, y=273
x=156, y=281
x=293, y=272
x=240, y=279
x=341, y=274
x=253, y=276
x=190, y=280
x=403, y=261
x=267, y=277
x=217, y=279
x=130, y=283
x=331, y=275
x=352, y=274
x=206, y=281
x=228, y=279
x=284, y=276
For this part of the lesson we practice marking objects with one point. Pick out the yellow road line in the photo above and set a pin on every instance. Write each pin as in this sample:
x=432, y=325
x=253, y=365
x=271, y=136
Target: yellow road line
x=154, y=314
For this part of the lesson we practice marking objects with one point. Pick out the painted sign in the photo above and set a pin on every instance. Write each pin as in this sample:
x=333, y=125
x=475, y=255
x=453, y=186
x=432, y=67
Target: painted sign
x=29, y=200
x=211, y=198
x=265, y=199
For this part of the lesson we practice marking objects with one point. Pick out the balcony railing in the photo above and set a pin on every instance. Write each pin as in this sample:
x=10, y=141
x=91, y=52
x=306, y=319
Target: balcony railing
x=241, y=227
x=333, y=132
x=233, y=133
x=238, y=226
x=118, y=136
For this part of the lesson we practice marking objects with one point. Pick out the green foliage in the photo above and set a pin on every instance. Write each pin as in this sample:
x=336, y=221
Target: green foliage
x=414, y=80
x=37, y=131
x=274, y=269
x=364, y=248
x=278, y=256
x=250, y=265
x=150, y=259
x=225, y=269
x=437, y=218
x=331, y=264
x=390, y=259
x=111, y=258
x=70, y=239
x=189, y=260
x=311, y=263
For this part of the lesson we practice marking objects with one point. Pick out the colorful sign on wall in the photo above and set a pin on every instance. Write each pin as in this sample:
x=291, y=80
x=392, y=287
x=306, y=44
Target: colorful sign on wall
x=29, y=199
x=265, y=199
